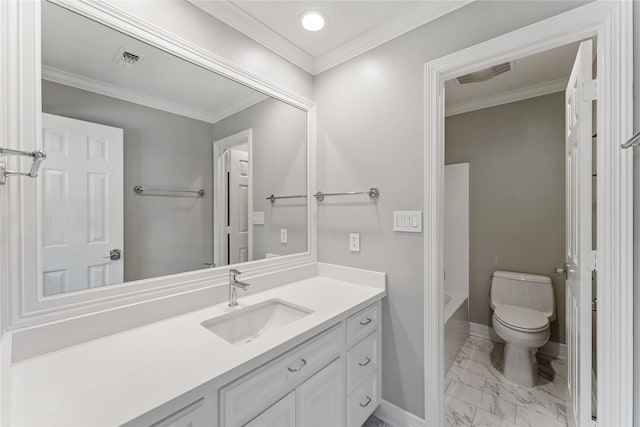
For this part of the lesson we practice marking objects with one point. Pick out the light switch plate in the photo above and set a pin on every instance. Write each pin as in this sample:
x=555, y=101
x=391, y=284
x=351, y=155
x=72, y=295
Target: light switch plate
x=283, y=235
x=407, y=221
x=354, y=242
x=257, y=218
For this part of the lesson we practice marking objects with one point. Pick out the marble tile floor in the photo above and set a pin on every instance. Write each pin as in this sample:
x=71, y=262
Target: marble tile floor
x=476, y=393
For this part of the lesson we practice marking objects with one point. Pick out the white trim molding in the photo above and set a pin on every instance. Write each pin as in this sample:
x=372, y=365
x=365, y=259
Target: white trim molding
x=551, y=348
x=611, y=23
x=20, y=207
x=421, y=14
x=255, y=29
x=508, y=97
x=251, y=27
x=80, y=82
x=396, y=416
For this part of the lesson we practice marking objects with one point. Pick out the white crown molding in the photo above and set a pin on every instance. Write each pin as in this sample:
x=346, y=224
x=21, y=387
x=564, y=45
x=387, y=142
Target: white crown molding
x=239, y=105
x=411, y=19
x=243, y=22
x=551, y=348
x=80, y=82
x=507, y=97
x=396, y=416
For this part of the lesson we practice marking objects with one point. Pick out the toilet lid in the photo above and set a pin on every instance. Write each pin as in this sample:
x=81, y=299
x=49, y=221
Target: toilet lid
x=520, y=318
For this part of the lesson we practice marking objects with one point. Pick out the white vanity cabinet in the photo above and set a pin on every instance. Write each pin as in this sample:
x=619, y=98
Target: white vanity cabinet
x=281, y=414
x=363, y=365
x=343, y=393
x=317, y=402
x=330, y=380
x=243, y=399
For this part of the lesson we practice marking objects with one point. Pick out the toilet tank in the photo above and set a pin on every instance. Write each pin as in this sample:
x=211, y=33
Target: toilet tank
x=523, y=290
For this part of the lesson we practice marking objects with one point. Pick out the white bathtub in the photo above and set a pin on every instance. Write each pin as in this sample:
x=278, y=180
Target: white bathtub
x=456, y=326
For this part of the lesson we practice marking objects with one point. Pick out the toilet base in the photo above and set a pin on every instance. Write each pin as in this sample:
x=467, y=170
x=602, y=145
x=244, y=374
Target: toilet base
x=520, y=365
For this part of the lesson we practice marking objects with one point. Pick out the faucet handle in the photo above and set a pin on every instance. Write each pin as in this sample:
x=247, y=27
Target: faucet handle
x=234, y=271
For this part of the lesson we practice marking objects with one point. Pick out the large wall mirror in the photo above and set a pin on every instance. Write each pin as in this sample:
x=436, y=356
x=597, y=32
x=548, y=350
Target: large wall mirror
x=157, y=166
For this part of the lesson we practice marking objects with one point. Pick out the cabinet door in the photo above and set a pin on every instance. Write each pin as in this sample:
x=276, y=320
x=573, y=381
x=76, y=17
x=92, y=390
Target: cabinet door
x=321, y=398
x=280, y=414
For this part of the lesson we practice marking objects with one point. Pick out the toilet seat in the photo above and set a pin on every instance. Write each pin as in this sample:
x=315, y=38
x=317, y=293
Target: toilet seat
x=520, y=318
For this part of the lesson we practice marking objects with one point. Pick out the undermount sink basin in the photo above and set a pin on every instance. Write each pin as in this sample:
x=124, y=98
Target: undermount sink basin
x=249, y=323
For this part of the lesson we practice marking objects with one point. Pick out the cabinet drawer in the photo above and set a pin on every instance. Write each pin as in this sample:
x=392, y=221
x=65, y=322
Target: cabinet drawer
x=249, y=395
x=362, y=323
x=362, y=360
x=362, y=401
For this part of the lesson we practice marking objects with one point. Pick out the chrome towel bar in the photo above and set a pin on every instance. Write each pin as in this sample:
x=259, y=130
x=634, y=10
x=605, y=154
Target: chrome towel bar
x=373, y=193
x=171, y=192
x=273, y=198
x=635, y=140
x=37, y=156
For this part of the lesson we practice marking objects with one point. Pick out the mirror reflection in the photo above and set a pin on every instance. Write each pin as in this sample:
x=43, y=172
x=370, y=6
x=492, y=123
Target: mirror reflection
x=157, y=166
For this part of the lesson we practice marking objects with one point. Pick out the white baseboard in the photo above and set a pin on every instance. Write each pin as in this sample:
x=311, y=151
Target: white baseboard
x=487, y=332
x=397, y=417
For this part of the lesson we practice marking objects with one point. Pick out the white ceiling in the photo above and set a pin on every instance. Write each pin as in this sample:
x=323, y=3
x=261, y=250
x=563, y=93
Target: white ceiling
x=535, y=75
x=353, y=27
x=80, y=52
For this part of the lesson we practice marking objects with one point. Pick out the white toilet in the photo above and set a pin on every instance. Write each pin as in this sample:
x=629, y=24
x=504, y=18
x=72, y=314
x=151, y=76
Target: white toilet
x=523, y=306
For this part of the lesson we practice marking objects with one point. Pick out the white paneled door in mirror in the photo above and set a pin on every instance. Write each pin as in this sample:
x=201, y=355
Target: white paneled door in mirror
x=82, y=209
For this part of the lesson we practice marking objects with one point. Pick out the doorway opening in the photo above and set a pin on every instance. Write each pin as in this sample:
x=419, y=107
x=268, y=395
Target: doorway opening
x=507, y=205
x=233, y=202
x=611, y=25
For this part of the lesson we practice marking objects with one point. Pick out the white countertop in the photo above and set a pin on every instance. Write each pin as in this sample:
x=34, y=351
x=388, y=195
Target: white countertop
x=115, y=379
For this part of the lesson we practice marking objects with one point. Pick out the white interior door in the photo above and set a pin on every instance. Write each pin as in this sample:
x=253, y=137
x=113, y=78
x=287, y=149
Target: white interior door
x=82, y=196
x=238, y=207
x=580, y=259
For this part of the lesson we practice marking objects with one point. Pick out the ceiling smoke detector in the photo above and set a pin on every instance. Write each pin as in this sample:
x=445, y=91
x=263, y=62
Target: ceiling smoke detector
x=484, y=75
x=125, y=58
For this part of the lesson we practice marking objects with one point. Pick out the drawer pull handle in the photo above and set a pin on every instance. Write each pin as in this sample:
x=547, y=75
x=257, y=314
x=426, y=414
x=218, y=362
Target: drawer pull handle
x=297, y=368
x=366, y=322
x=365, y=363
x=364, y=405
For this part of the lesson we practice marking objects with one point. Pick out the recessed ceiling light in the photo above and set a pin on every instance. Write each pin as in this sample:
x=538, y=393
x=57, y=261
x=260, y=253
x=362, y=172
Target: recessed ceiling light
x=313, y=20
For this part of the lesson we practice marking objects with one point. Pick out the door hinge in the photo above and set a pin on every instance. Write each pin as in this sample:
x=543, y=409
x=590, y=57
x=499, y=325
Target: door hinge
x=594, y=304
x=594, y=261
x=590, y=90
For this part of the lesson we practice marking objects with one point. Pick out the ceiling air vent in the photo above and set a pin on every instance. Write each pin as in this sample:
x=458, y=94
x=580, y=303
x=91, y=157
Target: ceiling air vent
x=125, y=58
x=484, y=75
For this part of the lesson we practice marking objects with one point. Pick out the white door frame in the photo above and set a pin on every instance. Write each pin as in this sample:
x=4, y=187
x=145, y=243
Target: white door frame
x=219, y=147
x=611, y=22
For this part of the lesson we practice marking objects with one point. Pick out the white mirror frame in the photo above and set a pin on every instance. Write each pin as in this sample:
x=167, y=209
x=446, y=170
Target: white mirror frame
x=21, y=285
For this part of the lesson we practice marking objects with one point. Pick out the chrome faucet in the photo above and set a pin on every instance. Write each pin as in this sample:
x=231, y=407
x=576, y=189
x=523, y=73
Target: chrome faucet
x=233, y=284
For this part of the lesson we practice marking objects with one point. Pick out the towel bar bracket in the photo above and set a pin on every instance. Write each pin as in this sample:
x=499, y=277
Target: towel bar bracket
x=37, y=156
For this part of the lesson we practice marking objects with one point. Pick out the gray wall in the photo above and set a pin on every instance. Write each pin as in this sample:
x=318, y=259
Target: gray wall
x=162, y=235
x=370, y=117
x=279, y=167
x=516, y=190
